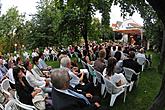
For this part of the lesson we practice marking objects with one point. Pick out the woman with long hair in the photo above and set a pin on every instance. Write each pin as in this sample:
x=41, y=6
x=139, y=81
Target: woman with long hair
x=116, y=79
x=24, y=90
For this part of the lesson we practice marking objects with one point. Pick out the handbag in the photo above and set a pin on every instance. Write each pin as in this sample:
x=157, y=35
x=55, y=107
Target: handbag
x=39, y=101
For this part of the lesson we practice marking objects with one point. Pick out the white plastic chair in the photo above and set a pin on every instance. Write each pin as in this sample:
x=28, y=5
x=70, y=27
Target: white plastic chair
x=141, y=61
x=1, y=107
x=22, y=104
x=114, y=90
x=92, y=73
x=5, y=87
x=85, y=67
x=128, y=75
x=100, y=80
x=76, y=55
x=14, y=105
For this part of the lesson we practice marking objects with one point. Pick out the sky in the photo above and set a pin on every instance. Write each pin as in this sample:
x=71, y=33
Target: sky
x=29, y=7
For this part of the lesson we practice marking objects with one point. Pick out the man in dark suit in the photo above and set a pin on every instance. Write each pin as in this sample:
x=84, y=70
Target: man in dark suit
x=64, y=98
x=132, y=64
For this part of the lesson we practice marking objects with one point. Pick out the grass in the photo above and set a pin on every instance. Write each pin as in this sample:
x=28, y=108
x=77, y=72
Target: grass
x=139, y=98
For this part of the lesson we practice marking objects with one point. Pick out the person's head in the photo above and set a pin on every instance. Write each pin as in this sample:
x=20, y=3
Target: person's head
x=114, y=48
x=85, y=52
x=28, y=65
x=111, y=65
x=117, y=55
x=19, y=61
x=119, y=48
x=41, y=55
x=102, y=54
x=66, y=62
x=132, y=54
x=18, y=73
x=36, y=60
x=60, y=78
x=11, y=64
x=141, y=50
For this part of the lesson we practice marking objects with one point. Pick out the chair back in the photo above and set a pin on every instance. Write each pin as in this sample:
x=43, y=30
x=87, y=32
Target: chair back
x=99, y=77
x=5, y=86
x=110, y=87
x=14, y=105
x=128, y=73
x=1, y=107
x=141, y=60
x=91, y=70
x=11, y=105
x=16, y=97
x=84, y=64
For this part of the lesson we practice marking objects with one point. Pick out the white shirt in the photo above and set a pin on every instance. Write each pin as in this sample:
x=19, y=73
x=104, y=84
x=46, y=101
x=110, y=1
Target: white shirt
x=75, y=79
x=33, y=81
x=116, y=78
x=140, y=55
x=10, y=75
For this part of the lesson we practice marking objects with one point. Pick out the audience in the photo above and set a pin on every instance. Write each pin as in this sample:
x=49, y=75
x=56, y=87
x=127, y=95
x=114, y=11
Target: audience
x=64, y=98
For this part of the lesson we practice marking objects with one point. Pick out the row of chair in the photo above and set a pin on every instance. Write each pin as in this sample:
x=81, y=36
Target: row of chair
x=107, y=85
x=13, y=103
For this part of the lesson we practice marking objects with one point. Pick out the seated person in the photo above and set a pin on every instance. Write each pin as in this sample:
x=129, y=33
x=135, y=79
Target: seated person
x=37, y=69
x=64, y=98
x=36, y=82
x=42, y=65
x=76, y=82
x=131, y=63
x=24, y=90
x=100, y=63
x=116, y=79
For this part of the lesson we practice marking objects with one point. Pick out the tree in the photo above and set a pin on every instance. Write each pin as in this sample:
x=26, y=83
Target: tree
x=10, y=23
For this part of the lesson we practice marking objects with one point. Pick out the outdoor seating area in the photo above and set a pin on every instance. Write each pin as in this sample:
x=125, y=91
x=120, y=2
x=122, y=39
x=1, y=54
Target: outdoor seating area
x=105, y=83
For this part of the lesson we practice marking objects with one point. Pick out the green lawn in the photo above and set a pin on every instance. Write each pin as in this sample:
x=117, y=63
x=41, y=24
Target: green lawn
x=139, y=98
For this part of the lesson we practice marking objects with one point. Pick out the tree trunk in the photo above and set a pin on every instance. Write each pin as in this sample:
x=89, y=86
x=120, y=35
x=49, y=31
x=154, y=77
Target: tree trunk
x=161, y=66
x=159, y=102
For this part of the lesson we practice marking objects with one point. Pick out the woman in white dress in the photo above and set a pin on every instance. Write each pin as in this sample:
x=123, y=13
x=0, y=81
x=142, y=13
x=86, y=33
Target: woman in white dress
x=115, y=78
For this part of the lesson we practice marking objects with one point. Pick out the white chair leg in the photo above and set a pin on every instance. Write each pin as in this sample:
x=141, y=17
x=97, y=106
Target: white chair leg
x=125, y=94
x=113, y=98
x=105, y=94
x=143, y=67
x=130, y=87
x=102, y=89
x=94, y=80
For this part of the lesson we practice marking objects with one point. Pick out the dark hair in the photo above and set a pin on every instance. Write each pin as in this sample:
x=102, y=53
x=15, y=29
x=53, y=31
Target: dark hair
x=85, y=52
x=131, y=54
x=119, y=48
x=114, y=48
x=17, y=60
x=40, y=54
x=16, y=70
x=111, y=65
x=35, y=59
x=117, y=55
x=26, y=64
